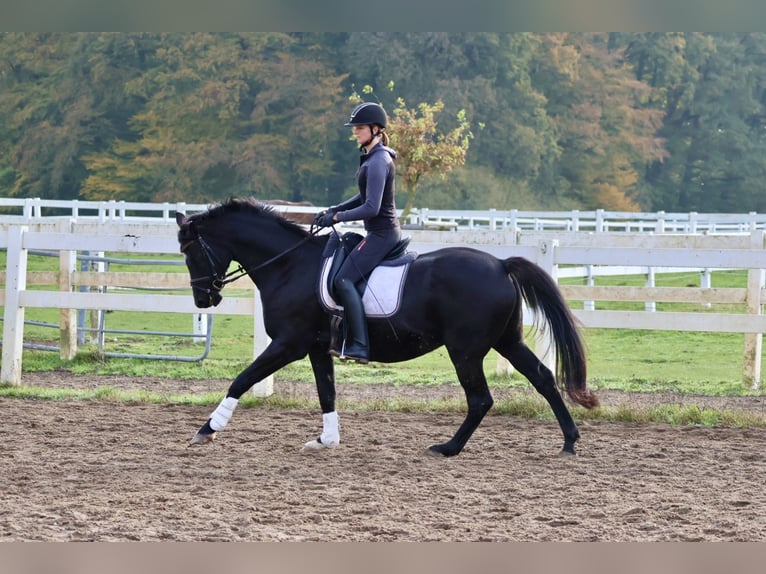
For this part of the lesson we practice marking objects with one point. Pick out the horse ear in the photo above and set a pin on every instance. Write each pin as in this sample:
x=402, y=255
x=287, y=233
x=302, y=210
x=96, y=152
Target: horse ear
x=180, y=218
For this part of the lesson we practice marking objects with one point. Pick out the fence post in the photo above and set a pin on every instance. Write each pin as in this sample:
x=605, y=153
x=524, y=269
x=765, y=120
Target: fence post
x=754, y=341
x=513, y=216
x=706, y=282
x=95, y=316
x=13, y=325
x=659, y=226
x=27, y=211
x=492, y=219
x=67, y=317
x=422, y=217
x=261, y=340
x=590, y=281
x=199, y=327
x=503, y=367
x=650, y=306
x=692, y=228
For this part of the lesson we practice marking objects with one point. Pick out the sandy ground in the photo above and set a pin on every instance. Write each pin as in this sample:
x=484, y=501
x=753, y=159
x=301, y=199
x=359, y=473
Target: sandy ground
x=99, y=470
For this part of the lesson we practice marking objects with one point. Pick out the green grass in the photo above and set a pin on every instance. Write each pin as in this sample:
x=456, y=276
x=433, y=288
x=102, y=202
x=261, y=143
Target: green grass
x=528, y=406
x=631, y=360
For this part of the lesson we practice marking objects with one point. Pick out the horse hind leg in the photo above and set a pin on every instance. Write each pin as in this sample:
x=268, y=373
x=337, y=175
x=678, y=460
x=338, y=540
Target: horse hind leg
x=474, y=383
x=544, y=382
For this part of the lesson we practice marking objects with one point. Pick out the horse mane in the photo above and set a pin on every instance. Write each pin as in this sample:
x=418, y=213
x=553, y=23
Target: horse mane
x=250, y=205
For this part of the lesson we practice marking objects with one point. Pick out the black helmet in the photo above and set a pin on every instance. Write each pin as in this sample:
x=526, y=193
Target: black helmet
x=367, y=114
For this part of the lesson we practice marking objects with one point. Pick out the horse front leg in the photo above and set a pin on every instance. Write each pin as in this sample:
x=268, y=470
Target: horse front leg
x=273, y=358
x=324, y=375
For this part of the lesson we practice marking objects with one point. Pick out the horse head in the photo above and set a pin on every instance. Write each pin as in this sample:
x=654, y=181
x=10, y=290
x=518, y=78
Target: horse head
x=242, y=230
x=206, y=268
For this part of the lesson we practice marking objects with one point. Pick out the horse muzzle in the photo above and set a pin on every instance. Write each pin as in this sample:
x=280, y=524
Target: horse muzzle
x=206, y=298
x=215, y=298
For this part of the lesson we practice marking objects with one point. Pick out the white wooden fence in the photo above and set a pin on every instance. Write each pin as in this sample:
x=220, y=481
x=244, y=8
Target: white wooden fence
x=33, y=210
x=549, y=250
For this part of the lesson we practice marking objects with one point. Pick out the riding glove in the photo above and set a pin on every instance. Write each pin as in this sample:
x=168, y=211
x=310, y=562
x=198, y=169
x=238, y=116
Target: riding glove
x=324, y=219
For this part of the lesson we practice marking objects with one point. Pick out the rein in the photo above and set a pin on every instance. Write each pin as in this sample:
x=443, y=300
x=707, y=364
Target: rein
x=218, y=282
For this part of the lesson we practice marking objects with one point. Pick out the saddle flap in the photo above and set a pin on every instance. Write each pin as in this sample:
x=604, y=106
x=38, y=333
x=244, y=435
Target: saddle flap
x=339, y=246
x=383, y=288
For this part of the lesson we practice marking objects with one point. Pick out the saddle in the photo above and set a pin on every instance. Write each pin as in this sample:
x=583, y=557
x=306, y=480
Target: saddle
x=381, y=290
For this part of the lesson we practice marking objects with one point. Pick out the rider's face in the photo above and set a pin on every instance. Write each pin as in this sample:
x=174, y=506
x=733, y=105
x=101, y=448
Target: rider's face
x=363, y=134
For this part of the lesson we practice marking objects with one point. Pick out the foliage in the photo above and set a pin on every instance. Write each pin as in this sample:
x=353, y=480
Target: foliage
x=423, y=153
x=622, y=121
x=210, y=125
x=607, y=130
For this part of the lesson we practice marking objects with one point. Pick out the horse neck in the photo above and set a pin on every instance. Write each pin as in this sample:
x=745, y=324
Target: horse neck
x=273, y=247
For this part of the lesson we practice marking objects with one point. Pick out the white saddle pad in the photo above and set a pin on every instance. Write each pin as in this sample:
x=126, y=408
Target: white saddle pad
x=382, y=296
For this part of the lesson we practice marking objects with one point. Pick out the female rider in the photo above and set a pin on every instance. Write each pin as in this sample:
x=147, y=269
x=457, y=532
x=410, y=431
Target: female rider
x=375, y=206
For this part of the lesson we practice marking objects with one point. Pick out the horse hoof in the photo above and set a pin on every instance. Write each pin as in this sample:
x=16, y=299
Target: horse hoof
x=200, y=438
x=316, y=444
x=567, y=453
x=436, y=451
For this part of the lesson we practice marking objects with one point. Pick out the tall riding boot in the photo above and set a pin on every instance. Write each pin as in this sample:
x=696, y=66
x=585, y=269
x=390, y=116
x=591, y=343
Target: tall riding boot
x=357, y=343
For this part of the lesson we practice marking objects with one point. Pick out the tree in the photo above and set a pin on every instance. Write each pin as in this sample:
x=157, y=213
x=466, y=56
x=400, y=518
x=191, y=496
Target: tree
x=61, y=98
x=718, y=136
x=193, y=139
x=223, y=114
x=671, y=63
x=607, y=129
x=670, y=121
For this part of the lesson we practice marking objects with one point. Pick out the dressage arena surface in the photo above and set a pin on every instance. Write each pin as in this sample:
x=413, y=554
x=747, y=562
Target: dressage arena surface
x=107, y=471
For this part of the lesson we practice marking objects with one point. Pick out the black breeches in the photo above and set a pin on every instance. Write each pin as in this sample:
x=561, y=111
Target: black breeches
x=365, y=256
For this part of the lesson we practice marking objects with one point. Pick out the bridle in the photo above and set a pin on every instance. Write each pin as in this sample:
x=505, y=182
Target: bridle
x=218, y=281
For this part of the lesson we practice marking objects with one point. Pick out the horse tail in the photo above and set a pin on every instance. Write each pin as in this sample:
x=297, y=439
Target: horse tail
x=543, y=296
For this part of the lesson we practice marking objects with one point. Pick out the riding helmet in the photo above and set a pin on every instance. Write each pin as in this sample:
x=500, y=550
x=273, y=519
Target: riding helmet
x=367, y=114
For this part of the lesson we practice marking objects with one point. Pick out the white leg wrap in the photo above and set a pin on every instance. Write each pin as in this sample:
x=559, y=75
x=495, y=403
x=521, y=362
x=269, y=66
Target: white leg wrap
x=222, y=413
x=330, y=429
x=330, y=437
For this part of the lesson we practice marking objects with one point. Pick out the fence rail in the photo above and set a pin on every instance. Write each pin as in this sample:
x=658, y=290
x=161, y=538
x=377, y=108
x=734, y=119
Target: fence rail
x=553, y=251
x=598, y=221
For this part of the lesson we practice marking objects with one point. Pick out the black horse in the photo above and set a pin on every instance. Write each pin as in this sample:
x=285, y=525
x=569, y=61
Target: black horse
x=462, y=298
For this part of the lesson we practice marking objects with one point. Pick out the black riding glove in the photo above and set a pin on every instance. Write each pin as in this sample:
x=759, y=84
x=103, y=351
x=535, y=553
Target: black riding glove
x=324, y=219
